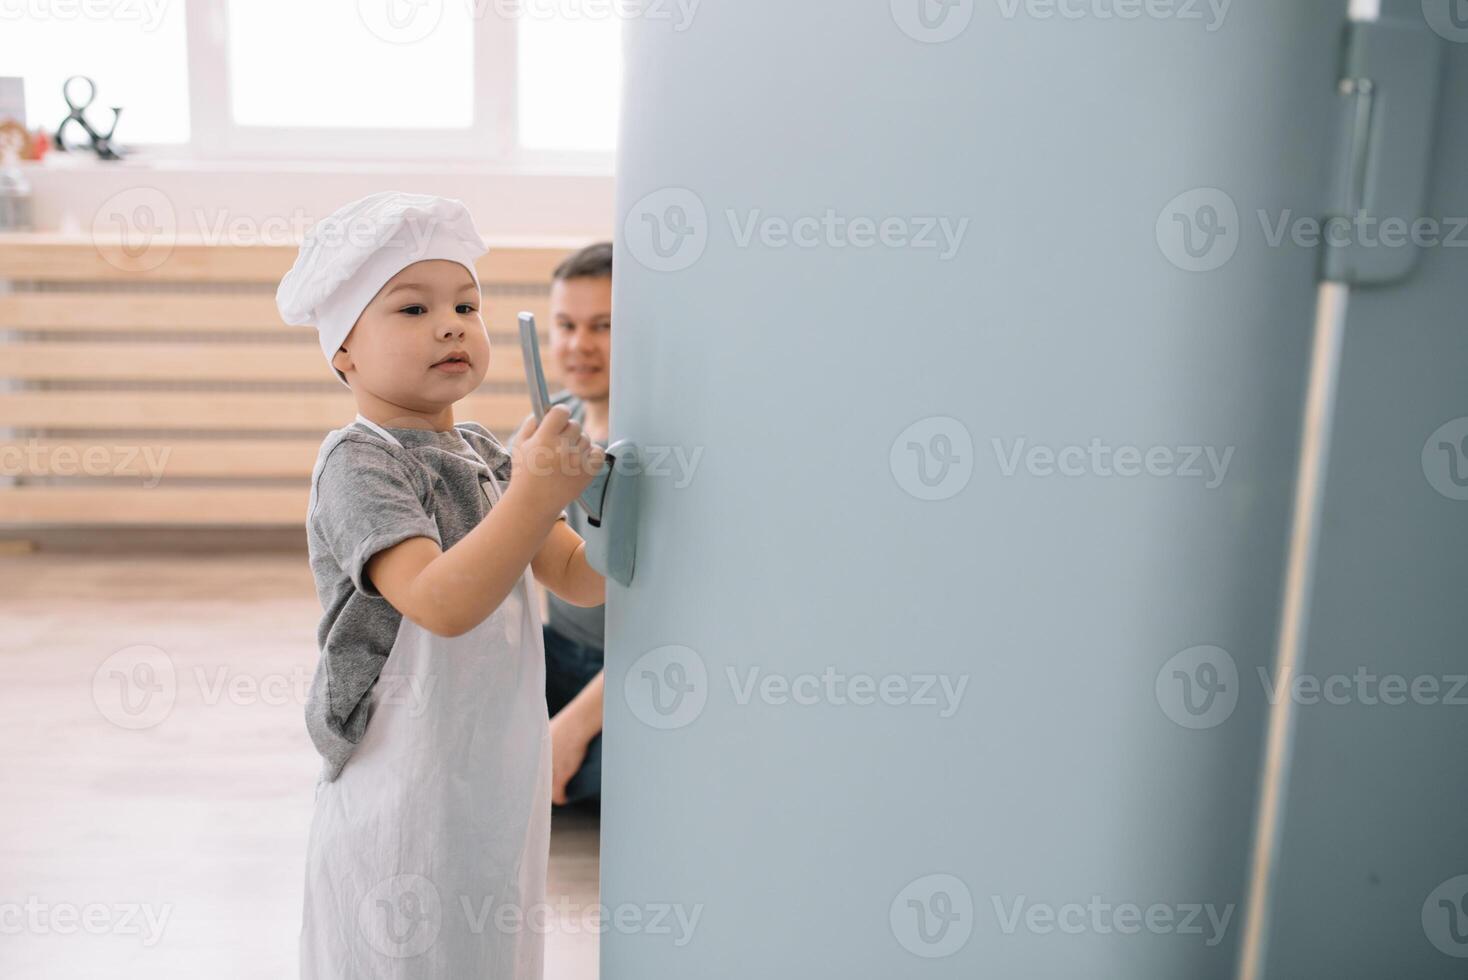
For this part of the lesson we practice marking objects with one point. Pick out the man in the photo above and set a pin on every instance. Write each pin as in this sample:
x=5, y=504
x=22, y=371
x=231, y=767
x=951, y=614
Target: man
x=581, y=349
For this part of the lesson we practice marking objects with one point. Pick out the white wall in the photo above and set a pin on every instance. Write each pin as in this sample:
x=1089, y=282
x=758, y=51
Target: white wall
x=267, y=201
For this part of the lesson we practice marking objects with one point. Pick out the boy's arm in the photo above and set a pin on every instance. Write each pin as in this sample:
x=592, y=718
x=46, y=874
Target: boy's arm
x=451, y=592
x=560, y=565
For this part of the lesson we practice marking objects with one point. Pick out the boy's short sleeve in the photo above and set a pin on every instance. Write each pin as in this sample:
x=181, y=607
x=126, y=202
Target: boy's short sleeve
x=367, y=499
x=501, y=467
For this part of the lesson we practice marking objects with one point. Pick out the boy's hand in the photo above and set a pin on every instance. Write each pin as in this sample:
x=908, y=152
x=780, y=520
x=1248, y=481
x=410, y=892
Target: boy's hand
x=553, y=462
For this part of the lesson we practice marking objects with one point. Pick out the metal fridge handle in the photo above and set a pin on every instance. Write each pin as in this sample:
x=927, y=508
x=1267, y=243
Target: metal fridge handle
x=610, y=502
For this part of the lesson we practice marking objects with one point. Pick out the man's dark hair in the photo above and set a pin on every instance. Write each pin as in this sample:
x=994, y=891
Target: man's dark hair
x=592, y=262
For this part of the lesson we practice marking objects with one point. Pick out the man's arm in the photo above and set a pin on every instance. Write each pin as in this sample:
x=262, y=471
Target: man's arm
x=560, y=565
x=572, y=730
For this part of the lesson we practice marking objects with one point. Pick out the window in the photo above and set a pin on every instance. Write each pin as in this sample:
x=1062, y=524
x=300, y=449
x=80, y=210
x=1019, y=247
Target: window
x=137, y=55
x=570, y=78
x=454, y=80
x=328, y=68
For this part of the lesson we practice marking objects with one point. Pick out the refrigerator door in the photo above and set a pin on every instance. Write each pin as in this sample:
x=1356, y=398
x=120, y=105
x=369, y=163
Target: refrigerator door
x=1373, y=872
x=965, y=346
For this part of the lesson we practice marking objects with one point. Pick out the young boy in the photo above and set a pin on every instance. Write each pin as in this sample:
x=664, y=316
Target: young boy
x=428, y=846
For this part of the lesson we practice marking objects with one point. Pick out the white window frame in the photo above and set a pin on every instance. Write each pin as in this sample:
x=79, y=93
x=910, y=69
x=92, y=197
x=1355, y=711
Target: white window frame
x=490, y=142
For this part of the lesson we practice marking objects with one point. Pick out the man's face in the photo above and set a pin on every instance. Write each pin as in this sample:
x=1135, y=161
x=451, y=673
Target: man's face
x=421, y=342
x=581, y=335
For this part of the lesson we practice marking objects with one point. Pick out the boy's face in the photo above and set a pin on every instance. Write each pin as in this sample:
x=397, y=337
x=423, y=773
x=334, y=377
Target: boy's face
x=581, y=335
x=421, y=342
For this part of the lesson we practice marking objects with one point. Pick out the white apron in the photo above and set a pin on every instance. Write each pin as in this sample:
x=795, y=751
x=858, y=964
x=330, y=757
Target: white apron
x=427, y=855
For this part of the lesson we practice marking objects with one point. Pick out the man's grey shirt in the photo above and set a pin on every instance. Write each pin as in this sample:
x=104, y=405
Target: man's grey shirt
x=585, y=625
x=368, y=495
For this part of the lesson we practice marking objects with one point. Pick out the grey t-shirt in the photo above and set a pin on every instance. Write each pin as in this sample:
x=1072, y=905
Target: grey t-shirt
x=586, y=625
x=368, y=495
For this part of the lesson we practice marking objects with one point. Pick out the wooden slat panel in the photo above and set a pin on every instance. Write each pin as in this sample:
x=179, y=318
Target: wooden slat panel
x=152, y=460
x=509, y=263
x=502, y=314
x=200, y=312
x=154, y=361
x=75, y=258
x=53, y=356
x=220, y=411
x=141, y=311
x=175, y=506
x=71, y=258
x=70, y=361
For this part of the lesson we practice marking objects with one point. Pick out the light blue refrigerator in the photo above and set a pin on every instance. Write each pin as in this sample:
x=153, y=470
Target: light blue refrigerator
x=983, y=365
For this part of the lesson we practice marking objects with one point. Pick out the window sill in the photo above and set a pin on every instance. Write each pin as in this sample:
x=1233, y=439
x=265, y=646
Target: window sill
x=141, y=162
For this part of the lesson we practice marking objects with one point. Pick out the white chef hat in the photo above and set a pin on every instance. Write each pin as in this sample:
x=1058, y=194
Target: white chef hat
x=350, y=255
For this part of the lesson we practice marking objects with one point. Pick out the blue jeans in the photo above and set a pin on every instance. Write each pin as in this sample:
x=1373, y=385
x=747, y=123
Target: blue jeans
x=569, y=667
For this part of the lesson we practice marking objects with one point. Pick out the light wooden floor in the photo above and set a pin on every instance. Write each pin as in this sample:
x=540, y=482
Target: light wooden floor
x=200, y=818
